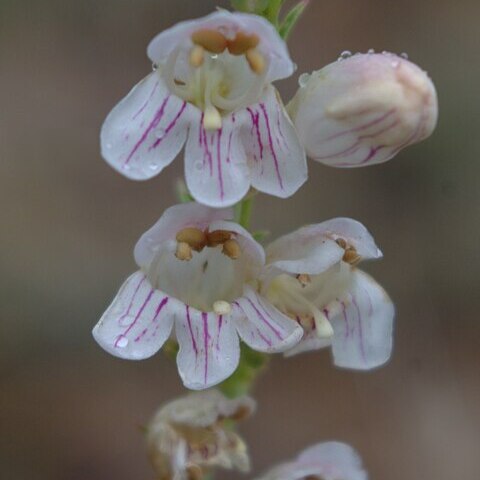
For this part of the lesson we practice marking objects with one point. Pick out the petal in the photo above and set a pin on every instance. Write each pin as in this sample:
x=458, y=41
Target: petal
x=332, y=460
x=329, y=461
x=209, y=348
x=263, y=327
x=171, y=222
x=363, y=327
x=146, y=130
x=276, y=158
x=138, y=322
x=313, y=250
x=363, y=110
x=271, y=45
x=307, y=250
x=216, y=168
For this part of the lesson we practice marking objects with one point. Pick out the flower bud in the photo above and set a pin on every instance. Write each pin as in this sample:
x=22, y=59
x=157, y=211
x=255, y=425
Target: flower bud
x=363, y=109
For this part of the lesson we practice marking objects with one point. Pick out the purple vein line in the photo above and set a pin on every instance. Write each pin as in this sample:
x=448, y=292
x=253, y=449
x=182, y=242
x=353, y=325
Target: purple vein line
x=156, y=120
x=147, y=101
x=272, y=147
x=262, y=317
x=170, y=126
x=139, y=313
x=205, y=344
x=189, y=321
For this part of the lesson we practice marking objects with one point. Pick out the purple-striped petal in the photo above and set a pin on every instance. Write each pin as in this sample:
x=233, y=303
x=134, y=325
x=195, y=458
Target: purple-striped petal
x=209, y=348
x=146, y=130
x=276, y=157
x=363, y=325
x=138, y=322
x=329, y=461
x=216, y=168
x=363, y=110
x=263, y=327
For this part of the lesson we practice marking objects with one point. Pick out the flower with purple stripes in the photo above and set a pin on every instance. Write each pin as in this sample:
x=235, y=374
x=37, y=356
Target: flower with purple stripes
x=313, y=278
x=325, y=461
x=363, y=109
x=211, y=89
x=198, y=281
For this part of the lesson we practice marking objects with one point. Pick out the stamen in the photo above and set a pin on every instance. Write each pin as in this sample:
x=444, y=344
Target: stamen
x=210, y=40
x=197, y=56
x=231, y=249
x=304, y=279
x=351, y=256
x=220, y=307
x=242, y=43
x=242, y=413
x=212, y=120
x=184, y=251
x=193, y=237
x=341, y=243
x=324, y=328
x=218, y=237
x=256, y=61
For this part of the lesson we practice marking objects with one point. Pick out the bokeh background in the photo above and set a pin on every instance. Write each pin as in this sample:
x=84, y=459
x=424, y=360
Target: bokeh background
x=68, y=411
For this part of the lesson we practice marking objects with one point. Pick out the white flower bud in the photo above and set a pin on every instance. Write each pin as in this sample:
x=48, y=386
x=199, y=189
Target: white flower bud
x=362, y=110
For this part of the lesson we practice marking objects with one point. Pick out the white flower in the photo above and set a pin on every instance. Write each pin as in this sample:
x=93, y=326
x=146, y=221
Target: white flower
x=313, y=278
x=187, y=437
x=211, y=89
x=325, y=461
x=199, y=274
x=364, y=109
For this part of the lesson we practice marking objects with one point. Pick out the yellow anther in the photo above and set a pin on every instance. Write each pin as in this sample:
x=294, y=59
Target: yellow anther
x=210, y=40
x=184, y=251
x=242, y=413
x=194, y=472
x=197, y=56
x=231, y=249
x=218, y=237
x=341, y=243
x=351, y=256
x=242, y=43
x=194, y=237
x=256, y=60
x=212, y=120
x=304, y=279
x=220, y=307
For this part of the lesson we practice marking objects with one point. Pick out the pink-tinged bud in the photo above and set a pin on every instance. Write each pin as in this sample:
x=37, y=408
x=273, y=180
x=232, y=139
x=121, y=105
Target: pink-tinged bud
x=363, y=109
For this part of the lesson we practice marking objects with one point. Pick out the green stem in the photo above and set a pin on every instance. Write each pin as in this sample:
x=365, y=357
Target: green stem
x=245, y=211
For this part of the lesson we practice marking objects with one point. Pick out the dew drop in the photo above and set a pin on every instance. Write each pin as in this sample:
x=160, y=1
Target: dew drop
x=121, y=342
x=303, y=79
x=153, y=166
x=344, y=55
x=371, y=51
x=404, y=55
x=108, y=146
x=198, y=165
x=154, y=67
x=159, y=132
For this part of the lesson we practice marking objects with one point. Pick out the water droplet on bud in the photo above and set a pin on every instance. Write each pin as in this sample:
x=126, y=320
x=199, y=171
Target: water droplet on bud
x=371, y=51
x=303, y=79
x=404, y=55
x=345, y=54
x=121, y=342
x=159, y=132
x=154, y=67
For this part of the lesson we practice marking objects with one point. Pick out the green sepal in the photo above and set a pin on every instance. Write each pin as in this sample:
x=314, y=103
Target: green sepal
x=291, y=18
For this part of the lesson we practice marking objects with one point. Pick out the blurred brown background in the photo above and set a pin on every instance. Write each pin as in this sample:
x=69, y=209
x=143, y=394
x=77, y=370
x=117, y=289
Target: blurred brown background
x=68, y=411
